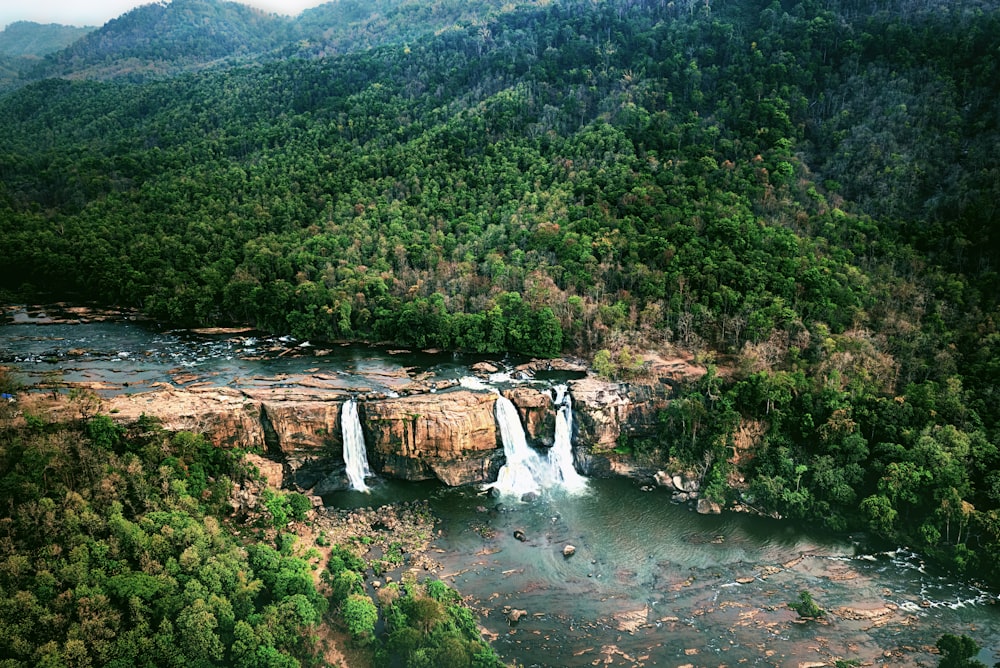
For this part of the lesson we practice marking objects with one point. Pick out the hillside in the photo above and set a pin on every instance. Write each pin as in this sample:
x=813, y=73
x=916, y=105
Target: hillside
x=33, y=40
x=353, y=25
x=24, y=43
x=157, y=40
x=805, y=191
x=167, y=38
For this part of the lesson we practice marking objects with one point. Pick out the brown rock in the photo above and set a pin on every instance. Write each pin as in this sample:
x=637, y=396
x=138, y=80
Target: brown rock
x=601, y=407
x=299, y=426
x=706, y=507
x=451, y=436
x=226, y=416
x=664, y=479
x=484, y=367
x=538, y=415
x=515, y=615
x=271, y=471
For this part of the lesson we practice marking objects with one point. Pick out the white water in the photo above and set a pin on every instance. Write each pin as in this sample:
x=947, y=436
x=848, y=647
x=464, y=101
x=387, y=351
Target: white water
x=561, y=454
x=355, y=454
x=520, y=475
x=526, y=472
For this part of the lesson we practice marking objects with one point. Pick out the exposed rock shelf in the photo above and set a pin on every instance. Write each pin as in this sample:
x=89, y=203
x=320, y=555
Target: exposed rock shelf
x=448, y=435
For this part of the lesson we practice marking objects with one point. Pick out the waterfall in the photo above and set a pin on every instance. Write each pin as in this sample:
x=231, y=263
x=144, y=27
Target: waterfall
x=518, y=475
x=561, y=454
x=355, y=454
x=527, y=472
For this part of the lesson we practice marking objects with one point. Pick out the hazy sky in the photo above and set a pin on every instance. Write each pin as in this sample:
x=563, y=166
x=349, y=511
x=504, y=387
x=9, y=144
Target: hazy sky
x=99, y=12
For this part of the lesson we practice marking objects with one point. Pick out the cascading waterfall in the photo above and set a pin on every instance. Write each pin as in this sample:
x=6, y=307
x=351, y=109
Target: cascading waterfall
x=561, y=454
x=355, y=454
x=519, y=476
x=526, y=472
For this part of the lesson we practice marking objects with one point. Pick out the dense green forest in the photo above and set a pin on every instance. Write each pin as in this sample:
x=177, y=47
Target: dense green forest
x=119, y=547
x=803, y=192
x=115, y=552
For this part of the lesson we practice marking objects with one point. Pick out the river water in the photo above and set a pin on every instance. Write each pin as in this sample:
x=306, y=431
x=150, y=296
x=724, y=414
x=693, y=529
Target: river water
x=650, y=582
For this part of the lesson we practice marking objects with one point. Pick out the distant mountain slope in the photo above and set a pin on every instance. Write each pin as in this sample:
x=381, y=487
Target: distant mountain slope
x=184, y=35
x=24, y=43
x=351, y=25
x=168, y=38
x=29, y=39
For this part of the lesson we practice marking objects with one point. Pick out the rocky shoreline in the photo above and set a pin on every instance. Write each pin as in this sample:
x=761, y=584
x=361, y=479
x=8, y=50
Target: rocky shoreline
x=428, y=427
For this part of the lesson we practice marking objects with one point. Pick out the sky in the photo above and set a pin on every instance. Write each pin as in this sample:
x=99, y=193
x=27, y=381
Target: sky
x=98, y=12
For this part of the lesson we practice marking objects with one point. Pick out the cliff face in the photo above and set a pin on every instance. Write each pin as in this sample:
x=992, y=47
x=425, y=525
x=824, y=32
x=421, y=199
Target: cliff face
x=449, y=436
x=604, y=412
x=538, y=415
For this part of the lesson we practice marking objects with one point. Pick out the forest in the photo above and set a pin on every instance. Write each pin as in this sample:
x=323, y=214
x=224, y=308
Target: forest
x=119, y=547
x=802, y=193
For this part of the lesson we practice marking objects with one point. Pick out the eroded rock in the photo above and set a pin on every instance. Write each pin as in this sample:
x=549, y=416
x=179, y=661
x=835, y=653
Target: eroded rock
x=706, y=507
x=452, y=437
x=538, y=415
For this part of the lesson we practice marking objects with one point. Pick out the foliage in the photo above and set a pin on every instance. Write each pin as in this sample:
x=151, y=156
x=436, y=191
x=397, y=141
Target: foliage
x=806, y=606
x=115, y=555
x=360, y=615
x=806, y=190
x=285, y=506
x=958, y=652
x=430, y=626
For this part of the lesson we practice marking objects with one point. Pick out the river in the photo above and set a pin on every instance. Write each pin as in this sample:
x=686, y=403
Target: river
x=650, y=582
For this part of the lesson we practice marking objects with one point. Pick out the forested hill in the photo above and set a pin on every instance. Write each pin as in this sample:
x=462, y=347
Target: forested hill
x=24, y=43
x=809, y=188
x=34, y=40
x=166, y=38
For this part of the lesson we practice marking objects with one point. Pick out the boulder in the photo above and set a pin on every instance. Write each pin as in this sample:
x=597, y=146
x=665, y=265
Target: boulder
x=706, y=507
x=515, y=615
x=484, y=367
x=664, y=479
x=272, y=472
x=569, y=551
x=686, y=482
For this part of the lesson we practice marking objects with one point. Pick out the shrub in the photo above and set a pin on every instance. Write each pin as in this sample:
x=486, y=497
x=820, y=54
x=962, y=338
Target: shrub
x=360, y=615
x=806, y=606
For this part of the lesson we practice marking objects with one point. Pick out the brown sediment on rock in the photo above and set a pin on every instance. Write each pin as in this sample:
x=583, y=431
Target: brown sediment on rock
x=881, y=613
x=631, y=621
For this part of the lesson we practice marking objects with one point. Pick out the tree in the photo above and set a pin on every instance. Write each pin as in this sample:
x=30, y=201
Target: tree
x=360, y=615
x=958, y=652
x=881, y=516
x=806, y=606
